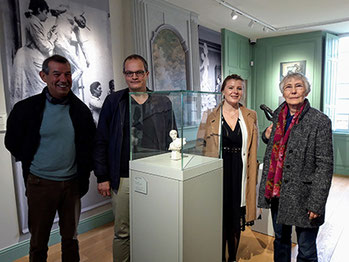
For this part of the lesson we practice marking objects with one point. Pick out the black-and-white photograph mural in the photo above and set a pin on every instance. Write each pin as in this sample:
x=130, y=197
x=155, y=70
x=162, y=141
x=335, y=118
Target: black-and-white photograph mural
x=95, y=102
x=210, y=71
x=36, y=29
x=78, y=30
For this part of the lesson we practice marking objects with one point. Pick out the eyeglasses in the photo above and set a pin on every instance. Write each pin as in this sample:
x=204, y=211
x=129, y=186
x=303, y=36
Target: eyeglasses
x=139, y=73
x=289, y=88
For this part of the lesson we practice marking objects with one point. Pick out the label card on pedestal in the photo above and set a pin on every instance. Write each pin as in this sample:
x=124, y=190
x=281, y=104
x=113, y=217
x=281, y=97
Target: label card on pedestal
x=140, y=185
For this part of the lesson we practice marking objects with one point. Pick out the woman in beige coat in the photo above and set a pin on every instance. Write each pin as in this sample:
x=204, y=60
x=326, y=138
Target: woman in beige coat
x=239, y=134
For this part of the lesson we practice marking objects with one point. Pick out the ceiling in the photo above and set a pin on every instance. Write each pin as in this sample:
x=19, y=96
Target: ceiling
x=277, y=13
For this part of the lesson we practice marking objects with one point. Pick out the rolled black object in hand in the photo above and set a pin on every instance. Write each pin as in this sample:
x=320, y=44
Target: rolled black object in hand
x=267, y=111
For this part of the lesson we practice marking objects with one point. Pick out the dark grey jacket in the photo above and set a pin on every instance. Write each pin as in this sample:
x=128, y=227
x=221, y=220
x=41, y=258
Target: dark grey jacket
x=308, y=169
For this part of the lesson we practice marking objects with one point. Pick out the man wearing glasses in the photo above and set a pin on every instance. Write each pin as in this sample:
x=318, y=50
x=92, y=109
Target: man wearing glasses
x=152, y=121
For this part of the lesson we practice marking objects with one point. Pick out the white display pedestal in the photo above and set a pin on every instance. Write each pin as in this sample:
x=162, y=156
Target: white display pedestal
x=176, y=215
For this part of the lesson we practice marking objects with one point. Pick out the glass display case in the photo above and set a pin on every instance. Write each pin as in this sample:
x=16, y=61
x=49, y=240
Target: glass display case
x=169, y=127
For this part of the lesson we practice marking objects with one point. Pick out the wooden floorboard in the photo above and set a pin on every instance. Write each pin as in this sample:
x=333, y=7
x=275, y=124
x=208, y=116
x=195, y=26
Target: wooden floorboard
x=95, y=246
x=333, y=233
x=333, y=239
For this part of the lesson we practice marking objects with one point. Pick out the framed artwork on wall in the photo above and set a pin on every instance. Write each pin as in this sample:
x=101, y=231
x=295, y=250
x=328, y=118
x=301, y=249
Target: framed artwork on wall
x=169, y=57
x=295, y=66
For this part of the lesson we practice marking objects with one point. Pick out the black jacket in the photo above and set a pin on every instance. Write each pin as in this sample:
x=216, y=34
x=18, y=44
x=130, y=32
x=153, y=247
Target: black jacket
x=110, y=133
x=22, y=137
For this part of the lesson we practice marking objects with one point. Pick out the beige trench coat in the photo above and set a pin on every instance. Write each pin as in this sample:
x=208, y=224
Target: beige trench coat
x=209, y=134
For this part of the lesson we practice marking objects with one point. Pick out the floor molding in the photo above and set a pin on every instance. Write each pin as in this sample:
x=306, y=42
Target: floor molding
x=341, y=170
x=21, y=249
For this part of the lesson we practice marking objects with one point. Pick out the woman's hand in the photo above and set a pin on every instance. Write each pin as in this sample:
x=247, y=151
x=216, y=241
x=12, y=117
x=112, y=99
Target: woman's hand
x=268, y=131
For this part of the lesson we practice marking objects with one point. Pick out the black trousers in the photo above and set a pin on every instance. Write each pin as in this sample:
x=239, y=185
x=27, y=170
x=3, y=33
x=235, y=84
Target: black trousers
x=45, y=197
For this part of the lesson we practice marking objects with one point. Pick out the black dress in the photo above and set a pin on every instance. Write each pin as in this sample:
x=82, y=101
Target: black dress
x=233, y=214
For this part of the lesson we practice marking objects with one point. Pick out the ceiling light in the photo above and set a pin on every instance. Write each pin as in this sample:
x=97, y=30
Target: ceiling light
x=253, y=20
x=251, y=24
x=268, y=27
x=234, y=15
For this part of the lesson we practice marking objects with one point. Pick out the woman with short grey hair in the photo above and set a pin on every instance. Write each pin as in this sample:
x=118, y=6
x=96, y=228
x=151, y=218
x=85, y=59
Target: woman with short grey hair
x=297, y=171
x=298, y=76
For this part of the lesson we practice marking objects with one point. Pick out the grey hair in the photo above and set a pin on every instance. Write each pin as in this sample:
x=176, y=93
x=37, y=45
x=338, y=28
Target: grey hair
x=54, y=58
x=297, y=76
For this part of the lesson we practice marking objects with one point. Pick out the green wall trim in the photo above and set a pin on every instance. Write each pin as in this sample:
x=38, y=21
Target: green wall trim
x=341, y=153
x=292, y=37
x=21, y=249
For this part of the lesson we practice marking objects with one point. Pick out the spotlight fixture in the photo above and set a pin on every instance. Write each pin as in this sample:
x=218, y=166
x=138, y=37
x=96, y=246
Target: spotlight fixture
x=268, y=27
x=234, y=15
x=251, y=23
x=237, y=12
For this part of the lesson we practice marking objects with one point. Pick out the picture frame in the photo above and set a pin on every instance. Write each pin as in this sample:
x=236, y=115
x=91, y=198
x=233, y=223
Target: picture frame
x=293, y=66
x=169, y=59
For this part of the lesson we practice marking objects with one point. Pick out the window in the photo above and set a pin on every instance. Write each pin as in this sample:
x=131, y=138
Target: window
x=341, y=119
x=336, y=95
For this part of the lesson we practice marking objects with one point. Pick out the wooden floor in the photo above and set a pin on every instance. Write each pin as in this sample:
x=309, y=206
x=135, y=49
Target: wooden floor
x=333, y=239
x=95, y=246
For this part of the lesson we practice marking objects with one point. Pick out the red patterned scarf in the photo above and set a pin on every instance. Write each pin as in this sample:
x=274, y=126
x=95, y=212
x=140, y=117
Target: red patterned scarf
x=273, y=185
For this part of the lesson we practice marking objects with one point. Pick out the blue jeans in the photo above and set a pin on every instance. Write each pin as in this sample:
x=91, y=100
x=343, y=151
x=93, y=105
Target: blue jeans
x=306, y=238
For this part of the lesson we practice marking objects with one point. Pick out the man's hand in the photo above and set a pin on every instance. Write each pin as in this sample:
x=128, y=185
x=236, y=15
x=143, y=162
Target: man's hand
x=104, y=188
x=312, y=215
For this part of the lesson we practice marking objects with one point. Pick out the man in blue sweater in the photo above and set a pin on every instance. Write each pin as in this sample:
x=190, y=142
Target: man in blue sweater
x=52, y=135
x=152, y=120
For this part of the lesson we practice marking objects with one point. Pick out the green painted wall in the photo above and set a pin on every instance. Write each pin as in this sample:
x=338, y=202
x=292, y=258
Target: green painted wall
x=236, y=58
x=268, y=53
x=341, y=153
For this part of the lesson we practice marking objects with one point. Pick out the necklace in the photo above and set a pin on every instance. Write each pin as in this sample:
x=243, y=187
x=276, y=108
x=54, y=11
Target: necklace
x=231, y=115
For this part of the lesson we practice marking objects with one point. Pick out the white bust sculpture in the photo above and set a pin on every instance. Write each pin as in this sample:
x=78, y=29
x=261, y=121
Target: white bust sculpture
x=175, y=145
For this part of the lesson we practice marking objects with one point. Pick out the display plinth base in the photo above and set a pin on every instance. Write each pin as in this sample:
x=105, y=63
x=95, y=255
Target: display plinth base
x=175, y=214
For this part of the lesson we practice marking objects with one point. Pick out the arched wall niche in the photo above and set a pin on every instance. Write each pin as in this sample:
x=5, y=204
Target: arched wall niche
x=169, y=59
x=151, y=18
